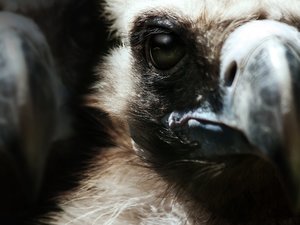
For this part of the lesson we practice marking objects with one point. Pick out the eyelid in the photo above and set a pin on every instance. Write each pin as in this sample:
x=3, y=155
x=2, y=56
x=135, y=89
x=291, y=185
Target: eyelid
x=151, y=26
x=141, y=37
x=158, y=30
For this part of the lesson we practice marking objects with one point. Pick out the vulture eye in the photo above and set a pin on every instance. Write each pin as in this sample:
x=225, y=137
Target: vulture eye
x=164, y=51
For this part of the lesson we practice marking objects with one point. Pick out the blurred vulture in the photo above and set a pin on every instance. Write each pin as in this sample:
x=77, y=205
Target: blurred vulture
x=192, y=118
x=48, y=49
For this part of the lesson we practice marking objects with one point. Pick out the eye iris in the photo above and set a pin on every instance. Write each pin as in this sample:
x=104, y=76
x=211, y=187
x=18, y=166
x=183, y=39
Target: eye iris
x=166, y=50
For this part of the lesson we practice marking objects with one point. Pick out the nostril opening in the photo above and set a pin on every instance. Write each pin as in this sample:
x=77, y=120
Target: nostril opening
x=231, y=74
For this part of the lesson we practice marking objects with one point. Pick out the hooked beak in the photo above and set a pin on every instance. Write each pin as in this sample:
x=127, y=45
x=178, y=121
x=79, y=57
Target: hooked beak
x=260, y=79
x=262, y=95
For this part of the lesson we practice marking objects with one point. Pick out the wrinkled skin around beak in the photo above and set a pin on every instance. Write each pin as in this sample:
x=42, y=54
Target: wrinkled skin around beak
x=260, y=79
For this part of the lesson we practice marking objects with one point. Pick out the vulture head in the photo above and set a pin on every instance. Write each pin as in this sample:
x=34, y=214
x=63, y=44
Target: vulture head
x=210, y=93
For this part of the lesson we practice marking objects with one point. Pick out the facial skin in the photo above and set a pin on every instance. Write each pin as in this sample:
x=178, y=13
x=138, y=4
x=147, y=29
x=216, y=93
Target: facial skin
x=207, y=119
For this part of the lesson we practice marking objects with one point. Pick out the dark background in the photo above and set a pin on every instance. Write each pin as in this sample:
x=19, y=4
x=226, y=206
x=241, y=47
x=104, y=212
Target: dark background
x=77, y=35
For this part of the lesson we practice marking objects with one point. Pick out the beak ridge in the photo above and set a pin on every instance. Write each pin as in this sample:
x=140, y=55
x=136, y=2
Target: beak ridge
x=261, y=98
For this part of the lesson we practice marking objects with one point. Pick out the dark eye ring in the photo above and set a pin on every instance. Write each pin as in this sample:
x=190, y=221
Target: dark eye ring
x=164, y=50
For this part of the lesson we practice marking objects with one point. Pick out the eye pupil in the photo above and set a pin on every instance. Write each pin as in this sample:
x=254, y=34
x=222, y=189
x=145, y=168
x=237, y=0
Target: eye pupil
x=165, y=50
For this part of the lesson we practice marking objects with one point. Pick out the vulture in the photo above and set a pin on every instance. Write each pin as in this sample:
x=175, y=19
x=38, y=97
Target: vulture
x=197, y=102
x=46, y=66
